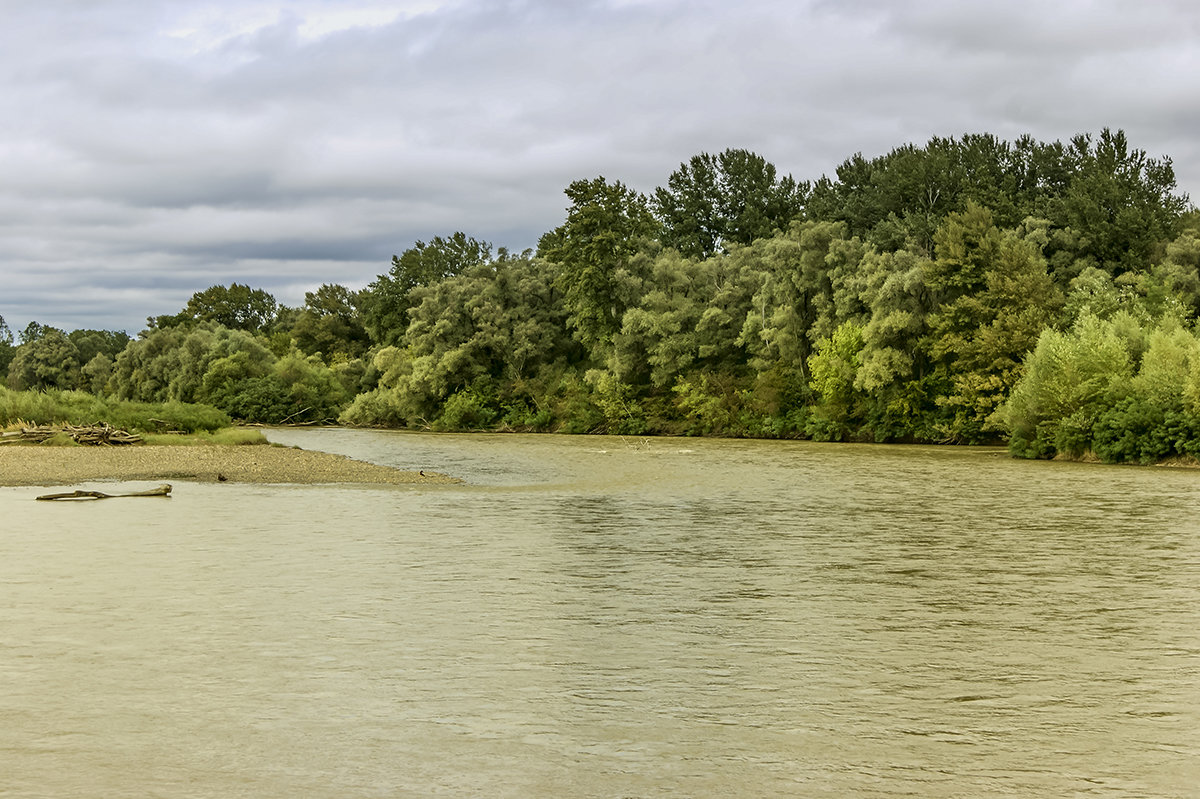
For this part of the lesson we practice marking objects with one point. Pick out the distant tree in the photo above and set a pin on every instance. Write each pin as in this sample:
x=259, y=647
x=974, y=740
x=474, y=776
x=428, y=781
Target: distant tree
x=91, y=343
x=735, y=197
x=1061, y=395
x=236, y=306
x=1106, y=202
x=386, y=302
x=686, y=320
x=34, y=331
x=48, y=361
x=6, y=346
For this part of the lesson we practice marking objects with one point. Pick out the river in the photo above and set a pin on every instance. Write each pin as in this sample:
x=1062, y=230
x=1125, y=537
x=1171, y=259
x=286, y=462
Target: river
x=611, y=617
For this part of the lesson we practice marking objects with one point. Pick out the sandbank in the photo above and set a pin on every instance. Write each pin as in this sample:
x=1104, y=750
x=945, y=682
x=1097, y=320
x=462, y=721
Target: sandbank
x=260, y=463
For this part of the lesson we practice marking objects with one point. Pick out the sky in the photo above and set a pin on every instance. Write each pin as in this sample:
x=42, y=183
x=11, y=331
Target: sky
x=150, y=149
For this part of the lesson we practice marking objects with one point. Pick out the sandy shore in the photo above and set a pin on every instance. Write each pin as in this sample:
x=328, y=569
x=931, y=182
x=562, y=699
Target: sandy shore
x=53, y=466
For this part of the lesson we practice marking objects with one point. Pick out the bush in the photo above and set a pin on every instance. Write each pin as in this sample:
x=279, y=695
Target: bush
x=465, y=410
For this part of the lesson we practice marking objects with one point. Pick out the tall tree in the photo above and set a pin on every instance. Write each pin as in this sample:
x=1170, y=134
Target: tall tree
x=607, y=225
x=1122, y=203
x=735, y=197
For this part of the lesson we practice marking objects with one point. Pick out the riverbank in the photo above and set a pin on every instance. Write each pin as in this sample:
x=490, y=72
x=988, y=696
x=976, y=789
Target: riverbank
x=53, y=466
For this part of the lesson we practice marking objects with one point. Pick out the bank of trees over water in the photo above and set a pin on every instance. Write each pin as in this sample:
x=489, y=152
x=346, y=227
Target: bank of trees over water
x=968, y=290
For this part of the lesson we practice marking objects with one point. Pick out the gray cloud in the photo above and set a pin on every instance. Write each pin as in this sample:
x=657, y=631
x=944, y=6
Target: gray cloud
x=150, y=151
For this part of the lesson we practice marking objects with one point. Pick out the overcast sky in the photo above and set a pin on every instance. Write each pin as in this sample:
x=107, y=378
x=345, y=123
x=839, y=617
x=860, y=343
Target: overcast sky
x=150, y=149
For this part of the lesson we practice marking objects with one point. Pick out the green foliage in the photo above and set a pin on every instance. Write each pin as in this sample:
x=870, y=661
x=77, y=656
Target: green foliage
x=834, y=367
x=498, y=323
x=229, y=369
x=959, y=291
x=6, y=348
x=617, y=401
x=688, y=318
x=1111, y=204
x=466, y=410
x=1122, y=202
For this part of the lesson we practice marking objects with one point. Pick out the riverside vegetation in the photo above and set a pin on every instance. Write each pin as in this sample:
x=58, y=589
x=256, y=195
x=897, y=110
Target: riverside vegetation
x=965, y=291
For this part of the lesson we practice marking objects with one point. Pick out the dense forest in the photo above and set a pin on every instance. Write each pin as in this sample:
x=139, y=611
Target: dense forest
x=971, y=290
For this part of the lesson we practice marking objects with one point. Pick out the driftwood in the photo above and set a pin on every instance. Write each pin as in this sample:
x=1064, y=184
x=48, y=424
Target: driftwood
x=163, y=490
x=99, y=434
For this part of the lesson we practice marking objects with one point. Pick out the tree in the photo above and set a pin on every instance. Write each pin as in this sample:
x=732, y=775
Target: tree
x=387, y=301
x=834, y=367
x=48, y=361
x=483, y=335
x=6, y=346
x=34, y=331
x=607, y=224
x=1056, y=402
x=91, y=343
x=735, y=197
x=329, y=324
x=237, y=307
x=687, y=320
x=1121, y=202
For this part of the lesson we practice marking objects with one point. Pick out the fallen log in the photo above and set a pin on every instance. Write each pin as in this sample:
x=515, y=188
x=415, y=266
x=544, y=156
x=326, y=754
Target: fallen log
x=162, y=491
x=99, y=434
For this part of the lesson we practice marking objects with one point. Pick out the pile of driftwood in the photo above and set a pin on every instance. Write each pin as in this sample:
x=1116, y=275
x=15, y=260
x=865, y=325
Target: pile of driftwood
x=99, y=434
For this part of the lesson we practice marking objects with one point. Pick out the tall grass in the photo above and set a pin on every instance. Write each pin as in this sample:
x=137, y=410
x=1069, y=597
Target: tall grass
x=80, y=408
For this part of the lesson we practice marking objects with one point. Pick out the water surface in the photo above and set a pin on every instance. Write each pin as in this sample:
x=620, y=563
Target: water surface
x=607, y=617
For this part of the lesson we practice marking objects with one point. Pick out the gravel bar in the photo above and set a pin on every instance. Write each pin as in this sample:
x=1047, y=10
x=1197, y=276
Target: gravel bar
x=25, y=465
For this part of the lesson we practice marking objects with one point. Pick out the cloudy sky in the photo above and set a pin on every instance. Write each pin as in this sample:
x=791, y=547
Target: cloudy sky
x=153, y=148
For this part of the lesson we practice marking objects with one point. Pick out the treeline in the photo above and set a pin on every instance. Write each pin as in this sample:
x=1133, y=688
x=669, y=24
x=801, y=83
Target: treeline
x=970, y=290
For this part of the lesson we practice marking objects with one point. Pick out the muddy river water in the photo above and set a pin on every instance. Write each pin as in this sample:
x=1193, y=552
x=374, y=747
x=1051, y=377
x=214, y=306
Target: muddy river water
x=609, y=617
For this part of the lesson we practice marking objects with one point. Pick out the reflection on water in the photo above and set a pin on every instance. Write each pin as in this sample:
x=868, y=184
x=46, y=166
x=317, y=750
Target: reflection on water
x=593, y=617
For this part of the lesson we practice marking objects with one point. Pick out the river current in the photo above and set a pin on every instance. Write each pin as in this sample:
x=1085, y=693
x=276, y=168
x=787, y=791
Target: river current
x=611, y=617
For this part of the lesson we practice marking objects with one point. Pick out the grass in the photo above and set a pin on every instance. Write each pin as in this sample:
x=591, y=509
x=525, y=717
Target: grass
x=81, y=408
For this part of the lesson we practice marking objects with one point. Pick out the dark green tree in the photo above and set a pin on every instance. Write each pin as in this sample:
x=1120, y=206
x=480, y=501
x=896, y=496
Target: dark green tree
x=714, y=201
x=483, y=336
x=607, y=225
x=1122, y=203
x=236, y=306
x=330, y=324
x=91, y=343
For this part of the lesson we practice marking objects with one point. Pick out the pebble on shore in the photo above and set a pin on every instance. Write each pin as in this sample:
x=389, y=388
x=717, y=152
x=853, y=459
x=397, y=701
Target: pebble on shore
x=53, y=466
